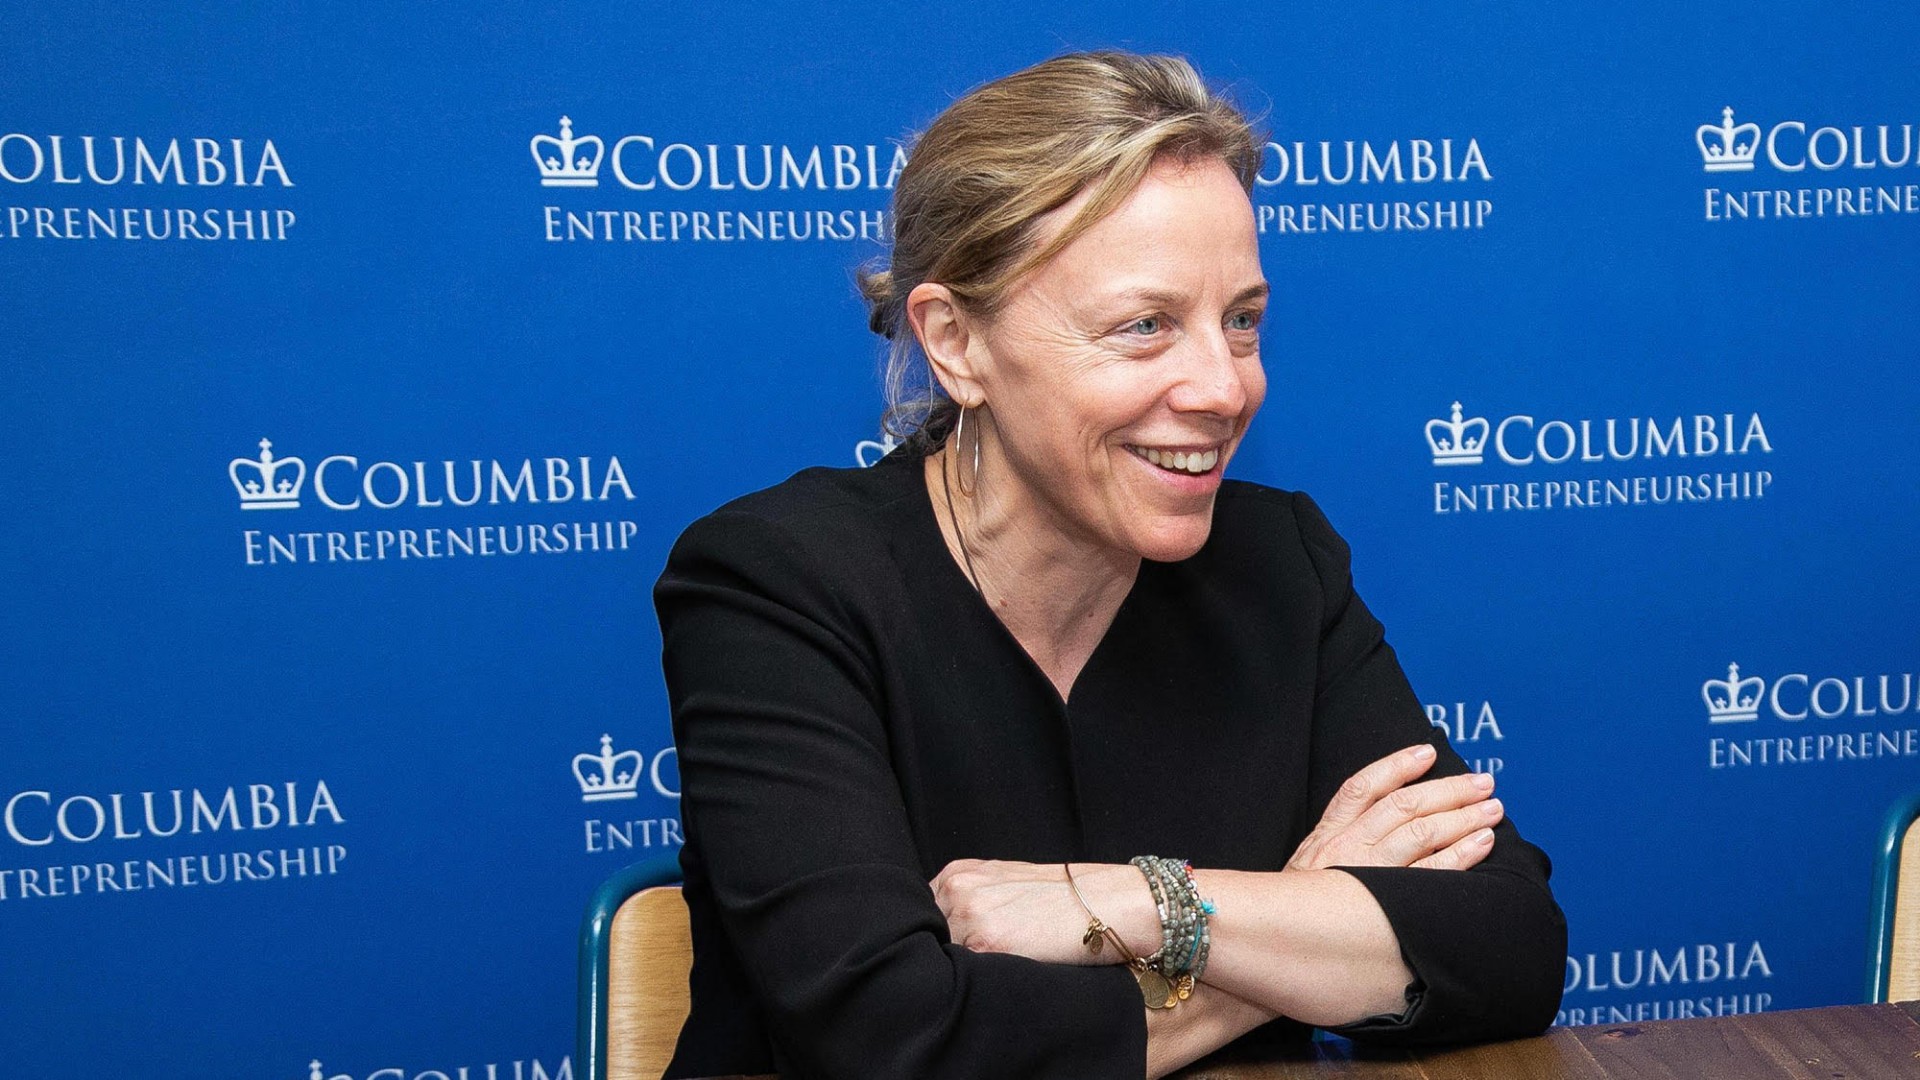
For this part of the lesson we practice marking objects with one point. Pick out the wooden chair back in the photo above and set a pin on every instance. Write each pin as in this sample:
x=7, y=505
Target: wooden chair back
x=1894, y=967
x=1903, y=969
x=647, y=966
x=636, y=952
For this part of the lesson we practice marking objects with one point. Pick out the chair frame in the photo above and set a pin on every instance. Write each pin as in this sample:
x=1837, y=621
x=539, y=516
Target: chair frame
x=596, y=931
x=1886, y=889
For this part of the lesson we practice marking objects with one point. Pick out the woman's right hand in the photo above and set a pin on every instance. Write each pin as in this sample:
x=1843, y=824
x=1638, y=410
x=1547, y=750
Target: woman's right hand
x=1380, y=817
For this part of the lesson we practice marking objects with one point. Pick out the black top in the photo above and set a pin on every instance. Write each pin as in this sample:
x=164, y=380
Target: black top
x=851, y=716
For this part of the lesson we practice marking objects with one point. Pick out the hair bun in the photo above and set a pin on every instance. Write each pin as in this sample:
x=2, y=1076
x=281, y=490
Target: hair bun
x=876, y=286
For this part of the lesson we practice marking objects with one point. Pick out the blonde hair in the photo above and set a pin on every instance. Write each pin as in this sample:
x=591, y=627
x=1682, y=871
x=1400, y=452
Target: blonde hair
x=965, y=204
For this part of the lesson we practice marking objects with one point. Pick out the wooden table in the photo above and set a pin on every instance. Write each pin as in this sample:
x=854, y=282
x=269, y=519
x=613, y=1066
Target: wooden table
x=1844, y=1042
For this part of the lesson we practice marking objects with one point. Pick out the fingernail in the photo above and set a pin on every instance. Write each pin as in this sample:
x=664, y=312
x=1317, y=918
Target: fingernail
x=1491, y=808
x=1423, y=753
x=1483, y=837
x=1483, y=781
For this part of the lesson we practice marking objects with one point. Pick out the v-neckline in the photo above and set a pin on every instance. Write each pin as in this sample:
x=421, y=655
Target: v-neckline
x=954, y=578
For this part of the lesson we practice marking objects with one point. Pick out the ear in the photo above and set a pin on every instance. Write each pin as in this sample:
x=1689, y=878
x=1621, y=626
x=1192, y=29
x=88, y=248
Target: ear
x=948, y=335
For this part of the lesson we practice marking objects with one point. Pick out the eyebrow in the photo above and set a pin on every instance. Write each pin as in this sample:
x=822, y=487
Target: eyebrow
x=1162, y=298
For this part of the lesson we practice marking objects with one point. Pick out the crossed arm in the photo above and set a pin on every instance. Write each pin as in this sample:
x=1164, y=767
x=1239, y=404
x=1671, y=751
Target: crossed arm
x=1309, y=942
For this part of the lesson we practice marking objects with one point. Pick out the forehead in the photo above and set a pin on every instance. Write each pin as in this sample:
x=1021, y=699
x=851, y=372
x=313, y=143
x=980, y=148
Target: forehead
x=1185, y=226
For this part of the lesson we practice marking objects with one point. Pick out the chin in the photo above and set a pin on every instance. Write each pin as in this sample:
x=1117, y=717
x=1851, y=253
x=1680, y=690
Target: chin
x=1176, y=539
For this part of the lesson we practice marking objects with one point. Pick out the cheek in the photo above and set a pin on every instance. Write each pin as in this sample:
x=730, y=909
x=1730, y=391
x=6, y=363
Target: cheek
x=1093, y=413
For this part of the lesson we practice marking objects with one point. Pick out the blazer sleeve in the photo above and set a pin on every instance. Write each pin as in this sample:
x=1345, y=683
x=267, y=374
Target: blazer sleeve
x=787, y=787
x=1487, y=946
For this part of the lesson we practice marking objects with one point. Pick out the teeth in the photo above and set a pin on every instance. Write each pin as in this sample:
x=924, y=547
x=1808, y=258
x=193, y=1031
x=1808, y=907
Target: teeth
x=1195, y=463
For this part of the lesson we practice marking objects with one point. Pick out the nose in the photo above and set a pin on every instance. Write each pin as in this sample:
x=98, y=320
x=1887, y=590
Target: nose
x=1212, y=379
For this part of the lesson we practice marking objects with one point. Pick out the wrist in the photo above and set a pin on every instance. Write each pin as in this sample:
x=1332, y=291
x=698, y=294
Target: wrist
x=1121, y=897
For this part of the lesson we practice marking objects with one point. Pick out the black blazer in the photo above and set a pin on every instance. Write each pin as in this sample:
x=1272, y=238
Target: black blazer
x=851, y=716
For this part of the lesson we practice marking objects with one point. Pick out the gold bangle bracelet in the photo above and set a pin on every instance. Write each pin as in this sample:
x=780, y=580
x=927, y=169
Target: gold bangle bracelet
x=1156, y=990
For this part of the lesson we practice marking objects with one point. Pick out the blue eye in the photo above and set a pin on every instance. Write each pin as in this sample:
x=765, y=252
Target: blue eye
x=1147, y=326
x=1243, y=320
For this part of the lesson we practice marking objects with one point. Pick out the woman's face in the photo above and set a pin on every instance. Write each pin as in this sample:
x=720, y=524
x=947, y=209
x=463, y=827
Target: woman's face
x=1122, y=374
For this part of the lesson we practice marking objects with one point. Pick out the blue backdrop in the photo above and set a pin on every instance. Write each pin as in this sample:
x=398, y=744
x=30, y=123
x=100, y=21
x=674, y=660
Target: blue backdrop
x=324, y=753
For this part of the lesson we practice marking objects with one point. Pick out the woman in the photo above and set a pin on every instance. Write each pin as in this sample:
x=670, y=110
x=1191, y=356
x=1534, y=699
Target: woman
x=1043, y=637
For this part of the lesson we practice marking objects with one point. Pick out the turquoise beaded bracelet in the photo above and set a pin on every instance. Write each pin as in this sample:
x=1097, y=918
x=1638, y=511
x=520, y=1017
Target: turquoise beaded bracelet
x=1186, y=939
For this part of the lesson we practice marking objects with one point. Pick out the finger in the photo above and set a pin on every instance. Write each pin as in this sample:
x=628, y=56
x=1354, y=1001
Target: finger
x=946, y=872
x=1402, y=805
x=1423, y=836
x=1364, y=788
x=1463, y=855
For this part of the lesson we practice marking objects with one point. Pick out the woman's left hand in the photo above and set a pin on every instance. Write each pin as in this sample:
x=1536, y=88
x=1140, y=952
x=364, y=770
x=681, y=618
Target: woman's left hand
x=1027, y=909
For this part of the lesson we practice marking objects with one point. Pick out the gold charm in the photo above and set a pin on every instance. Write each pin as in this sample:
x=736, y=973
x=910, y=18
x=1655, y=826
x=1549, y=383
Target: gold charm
x=1155, y=989
x=1184, y=986
x=1094, y=937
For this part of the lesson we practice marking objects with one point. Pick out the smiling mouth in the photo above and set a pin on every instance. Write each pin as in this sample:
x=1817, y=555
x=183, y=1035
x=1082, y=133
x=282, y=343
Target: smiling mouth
x=1192, y=462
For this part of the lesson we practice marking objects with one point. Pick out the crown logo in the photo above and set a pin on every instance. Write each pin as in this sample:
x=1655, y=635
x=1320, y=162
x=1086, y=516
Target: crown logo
x=1720, y=147
x=608, y=775
x=868, y=453
x=1458, y=441
x=268, y=482
x=1732, y=700
x=563, y=161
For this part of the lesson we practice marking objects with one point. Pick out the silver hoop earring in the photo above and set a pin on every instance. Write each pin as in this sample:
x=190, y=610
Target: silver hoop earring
x=976, y=457
x=959, y=439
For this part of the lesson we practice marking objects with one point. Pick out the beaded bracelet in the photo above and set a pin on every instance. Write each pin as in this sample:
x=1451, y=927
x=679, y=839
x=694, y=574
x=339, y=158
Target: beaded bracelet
x=1204, y=945
x=1182, y=871
x=1146, y=865
x=1186, y=938
x=1168, y=976
x=1192, y=922
x=1175, y=918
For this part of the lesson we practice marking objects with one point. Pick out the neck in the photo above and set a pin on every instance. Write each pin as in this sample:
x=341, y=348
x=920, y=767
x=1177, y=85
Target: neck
x=1054, y=589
